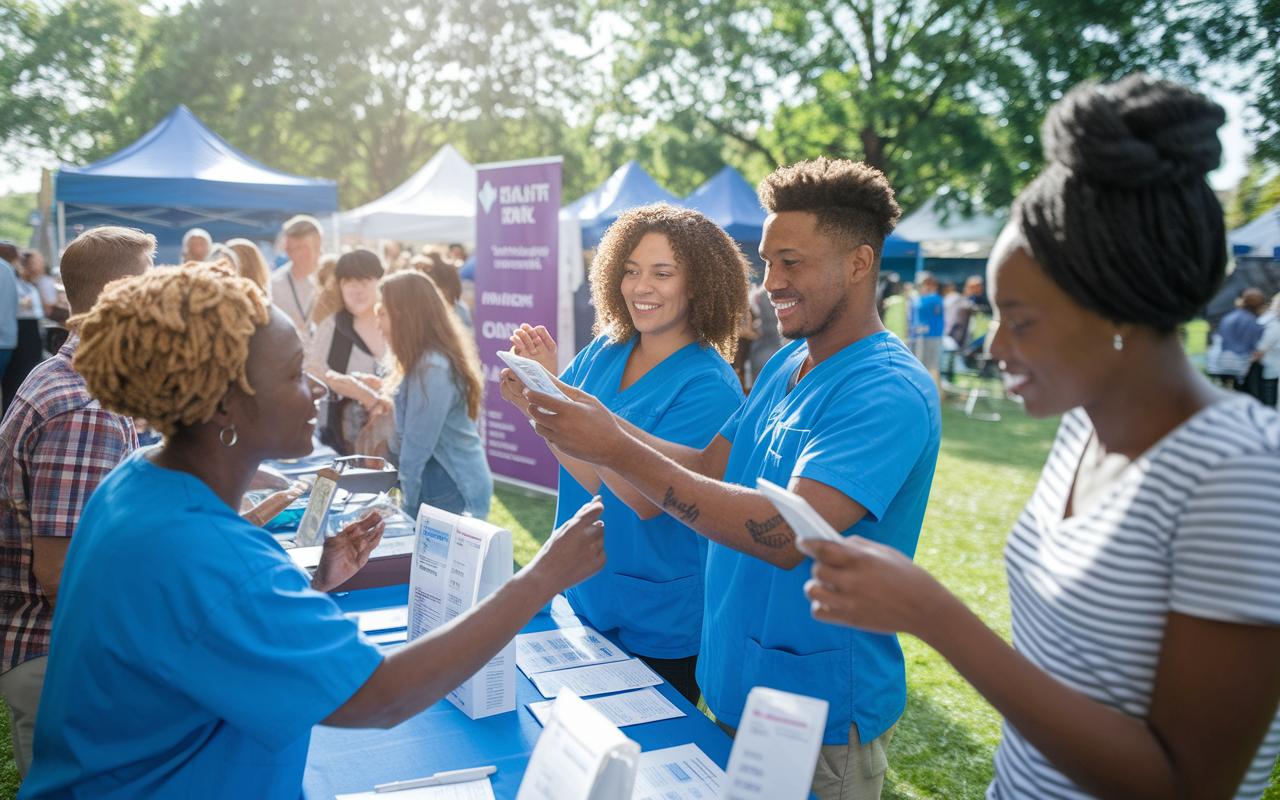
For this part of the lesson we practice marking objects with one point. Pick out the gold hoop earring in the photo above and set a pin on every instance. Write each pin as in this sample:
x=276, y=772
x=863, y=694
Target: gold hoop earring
x=222, y=437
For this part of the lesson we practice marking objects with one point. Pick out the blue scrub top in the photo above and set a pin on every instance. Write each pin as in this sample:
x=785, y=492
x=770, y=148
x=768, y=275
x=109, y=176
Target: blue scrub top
x=865, y=421
x=190, y=657
x=651, y=588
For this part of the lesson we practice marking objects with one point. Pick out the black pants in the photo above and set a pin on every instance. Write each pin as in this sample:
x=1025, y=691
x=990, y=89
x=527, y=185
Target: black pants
x=681, y=673
x=28, y=353
x=1254, y=384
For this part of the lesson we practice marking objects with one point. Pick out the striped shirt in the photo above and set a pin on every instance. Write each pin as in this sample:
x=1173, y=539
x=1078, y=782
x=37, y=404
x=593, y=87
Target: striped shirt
x=1192, y=526
x=58, y=445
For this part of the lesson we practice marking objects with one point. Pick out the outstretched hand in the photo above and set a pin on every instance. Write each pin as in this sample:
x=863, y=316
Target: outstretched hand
x=537, y=344
x=868, y=585
x=574, y=552
x=580, y=427
x=345, y=554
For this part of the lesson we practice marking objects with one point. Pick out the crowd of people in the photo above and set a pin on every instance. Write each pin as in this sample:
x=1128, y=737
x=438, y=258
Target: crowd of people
x=1244, y=348
x=1142, y=572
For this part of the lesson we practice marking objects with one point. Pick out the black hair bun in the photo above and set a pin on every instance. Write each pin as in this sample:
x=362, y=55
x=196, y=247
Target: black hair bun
x=1135, y=133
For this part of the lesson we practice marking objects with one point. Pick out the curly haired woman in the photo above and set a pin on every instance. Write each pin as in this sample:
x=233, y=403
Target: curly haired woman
x=669, y=287
x=190, y=657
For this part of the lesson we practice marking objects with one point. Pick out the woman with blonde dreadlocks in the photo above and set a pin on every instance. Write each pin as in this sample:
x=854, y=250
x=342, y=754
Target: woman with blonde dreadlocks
x=190, y=656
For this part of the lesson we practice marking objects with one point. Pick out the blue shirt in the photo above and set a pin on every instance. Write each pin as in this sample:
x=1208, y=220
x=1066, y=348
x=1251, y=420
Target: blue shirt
x=651, y=587
x=190, y=657
x=929, y=316
x=8, y=306
x=1240, y=331
x=865, y=421
x=432, y=421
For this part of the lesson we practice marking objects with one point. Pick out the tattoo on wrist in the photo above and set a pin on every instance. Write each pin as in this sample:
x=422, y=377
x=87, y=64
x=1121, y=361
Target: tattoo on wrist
x=686, y=511
x=768, y=534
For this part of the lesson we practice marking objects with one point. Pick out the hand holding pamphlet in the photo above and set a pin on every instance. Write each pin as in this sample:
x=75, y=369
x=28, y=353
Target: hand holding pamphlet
x=805, y=522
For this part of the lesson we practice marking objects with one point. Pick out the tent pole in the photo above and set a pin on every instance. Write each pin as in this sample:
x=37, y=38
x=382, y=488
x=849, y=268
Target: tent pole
x=62, y=233
x=337, y=238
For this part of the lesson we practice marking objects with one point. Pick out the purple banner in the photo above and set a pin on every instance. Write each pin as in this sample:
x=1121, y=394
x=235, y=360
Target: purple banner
x=517, y=280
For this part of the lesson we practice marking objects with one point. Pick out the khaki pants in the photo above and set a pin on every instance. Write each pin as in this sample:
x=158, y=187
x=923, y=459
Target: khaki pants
x=852, y=771
x=21, y=687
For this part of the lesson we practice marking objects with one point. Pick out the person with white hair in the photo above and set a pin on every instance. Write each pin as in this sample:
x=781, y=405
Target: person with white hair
x=195, y=245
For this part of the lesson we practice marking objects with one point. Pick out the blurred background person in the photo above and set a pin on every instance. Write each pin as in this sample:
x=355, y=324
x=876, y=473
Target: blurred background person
x=29, y=350
x=1230, y=355
x=195, y=245
x=447, y=281
x=8, y=307
x=346, y=351
x=292, y=288
x=253, y=265
x=328, y=295
x=56, y=309
x=434, y=376
x=220, y=252
x=1268, y=354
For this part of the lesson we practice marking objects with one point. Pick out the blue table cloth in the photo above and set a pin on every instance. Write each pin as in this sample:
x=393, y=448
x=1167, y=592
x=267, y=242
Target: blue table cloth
x=343, y=761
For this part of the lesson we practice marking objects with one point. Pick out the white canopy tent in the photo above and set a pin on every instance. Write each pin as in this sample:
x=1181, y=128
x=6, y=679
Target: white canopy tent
x=953, y=235
x=437, y=204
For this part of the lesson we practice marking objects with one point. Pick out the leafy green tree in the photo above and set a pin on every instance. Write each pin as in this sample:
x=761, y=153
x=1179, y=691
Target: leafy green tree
x=1258, y=191
x=936, y=93
x=59, y=62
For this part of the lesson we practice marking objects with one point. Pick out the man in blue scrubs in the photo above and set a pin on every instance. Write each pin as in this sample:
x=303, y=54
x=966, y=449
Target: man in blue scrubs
x=846, y=418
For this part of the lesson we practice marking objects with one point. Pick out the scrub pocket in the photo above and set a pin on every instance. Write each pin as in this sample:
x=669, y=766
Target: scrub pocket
x=658, y=618
x=785, y=448
x=826, y=674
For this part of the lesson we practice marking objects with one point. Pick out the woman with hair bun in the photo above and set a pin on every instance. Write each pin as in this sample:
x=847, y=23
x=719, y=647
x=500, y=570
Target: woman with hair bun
x=1144, y=573
x=669, y=287
x=191, y=657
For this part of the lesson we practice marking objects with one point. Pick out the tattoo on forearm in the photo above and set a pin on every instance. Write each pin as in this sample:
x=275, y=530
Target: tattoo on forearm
x=767, y=533
x=686, y=511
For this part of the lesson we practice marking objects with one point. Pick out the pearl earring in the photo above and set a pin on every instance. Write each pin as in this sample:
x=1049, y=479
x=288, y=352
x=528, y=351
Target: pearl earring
x=1118, y=342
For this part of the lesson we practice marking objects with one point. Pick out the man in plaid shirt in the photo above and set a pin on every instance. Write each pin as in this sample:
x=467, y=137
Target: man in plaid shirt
x=58, y=444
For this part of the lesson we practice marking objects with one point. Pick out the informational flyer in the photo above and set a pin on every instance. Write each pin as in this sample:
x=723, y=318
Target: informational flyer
x=630, y=708
x=564, y=647
x=618, y=676
x=776, y=748
x=678, y=773
x=458, y=561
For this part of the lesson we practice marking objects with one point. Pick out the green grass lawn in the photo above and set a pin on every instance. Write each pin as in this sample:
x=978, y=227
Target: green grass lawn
x=986, y=471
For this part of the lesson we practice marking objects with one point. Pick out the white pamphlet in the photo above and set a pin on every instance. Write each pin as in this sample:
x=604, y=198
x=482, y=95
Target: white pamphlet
x=533, y=374
x=380, y=620
x=776, y=747
x=459, y=561
x=311, y=526
x=618, y=676
x=471, y=790
x=564, y=647
x=579, y=756
x=630, y=708
x=678, y=773
x=805, y=522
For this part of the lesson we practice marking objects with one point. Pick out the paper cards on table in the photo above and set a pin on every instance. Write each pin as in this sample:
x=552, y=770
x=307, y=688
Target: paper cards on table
x=471, y=790
x=678, y=773
x=564, y=647
x=579, y=756
x=457, y=562
x=630, y=708
x=776, y=748
x=618, y=676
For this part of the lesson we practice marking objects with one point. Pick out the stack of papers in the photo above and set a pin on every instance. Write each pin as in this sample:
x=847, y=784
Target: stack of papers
x=629, y=708
x=678, y=773
x=596, y=679
x=564, y=647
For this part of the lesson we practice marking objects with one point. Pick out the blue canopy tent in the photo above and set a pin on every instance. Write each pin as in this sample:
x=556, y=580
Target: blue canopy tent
x=729, y=201
x=628, y=187
x=181, y=175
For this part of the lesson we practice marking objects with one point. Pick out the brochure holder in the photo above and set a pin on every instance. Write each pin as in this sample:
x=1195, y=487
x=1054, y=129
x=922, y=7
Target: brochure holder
x=580, y=756
x=457, y=562
x=776, y=748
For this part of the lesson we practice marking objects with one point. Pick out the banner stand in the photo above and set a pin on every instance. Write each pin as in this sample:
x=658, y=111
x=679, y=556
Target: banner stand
x=517, y=281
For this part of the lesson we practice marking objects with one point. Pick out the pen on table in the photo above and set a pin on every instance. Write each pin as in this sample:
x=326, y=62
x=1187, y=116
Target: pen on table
x=439, y=779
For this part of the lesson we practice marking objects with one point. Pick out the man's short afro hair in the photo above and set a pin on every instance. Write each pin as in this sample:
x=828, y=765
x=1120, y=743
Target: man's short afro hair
x=850, y=199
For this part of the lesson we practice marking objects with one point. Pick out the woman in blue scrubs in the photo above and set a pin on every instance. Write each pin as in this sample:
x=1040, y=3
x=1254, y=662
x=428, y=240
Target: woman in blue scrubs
x=190, y=657
x=669, y=287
